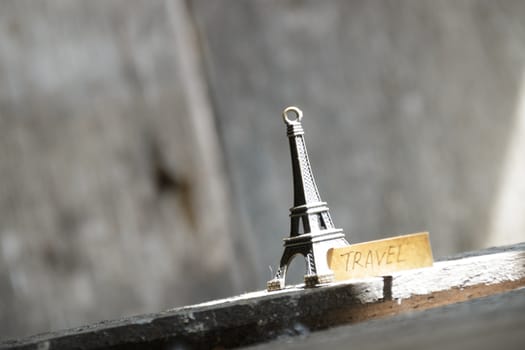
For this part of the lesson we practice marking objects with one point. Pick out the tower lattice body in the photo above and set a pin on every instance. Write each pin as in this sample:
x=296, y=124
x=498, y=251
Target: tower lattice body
x=312, y=232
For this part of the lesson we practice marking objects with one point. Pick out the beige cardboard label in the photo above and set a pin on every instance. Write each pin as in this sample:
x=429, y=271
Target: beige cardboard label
x=381, y=257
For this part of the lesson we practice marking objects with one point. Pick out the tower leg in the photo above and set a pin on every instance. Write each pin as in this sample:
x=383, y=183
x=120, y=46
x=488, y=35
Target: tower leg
x=313, y=277
x=278, y=282
x=317, y=270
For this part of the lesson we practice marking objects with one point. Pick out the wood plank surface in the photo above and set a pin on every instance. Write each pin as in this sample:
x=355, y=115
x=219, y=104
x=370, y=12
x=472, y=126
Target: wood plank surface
x=488, y=323
x=262, y=316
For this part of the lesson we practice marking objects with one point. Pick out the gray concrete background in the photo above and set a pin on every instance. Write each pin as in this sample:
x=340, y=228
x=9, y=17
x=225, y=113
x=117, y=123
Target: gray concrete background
x=144, y=163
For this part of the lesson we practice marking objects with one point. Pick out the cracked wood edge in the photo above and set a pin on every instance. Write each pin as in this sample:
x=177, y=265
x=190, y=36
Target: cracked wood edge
x=261, y=316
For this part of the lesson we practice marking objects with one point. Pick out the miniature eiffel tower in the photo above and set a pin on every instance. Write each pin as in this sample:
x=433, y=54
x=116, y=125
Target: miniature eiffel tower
x=309, y=213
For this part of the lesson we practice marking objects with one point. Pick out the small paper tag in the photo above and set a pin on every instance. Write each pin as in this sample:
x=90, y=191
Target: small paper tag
x=381, y=257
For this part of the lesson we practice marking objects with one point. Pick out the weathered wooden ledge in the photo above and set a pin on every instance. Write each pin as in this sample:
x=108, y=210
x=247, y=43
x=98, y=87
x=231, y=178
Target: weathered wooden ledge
x=261, y=316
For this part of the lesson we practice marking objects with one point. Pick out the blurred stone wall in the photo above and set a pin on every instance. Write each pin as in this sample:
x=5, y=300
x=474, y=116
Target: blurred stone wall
x=144, y=163
x=409, y=111
x=113, y=196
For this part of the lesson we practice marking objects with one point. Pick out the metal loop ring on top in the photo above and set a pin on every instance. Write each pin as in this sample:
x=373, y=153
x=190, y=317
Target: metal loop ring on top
x=298, y=115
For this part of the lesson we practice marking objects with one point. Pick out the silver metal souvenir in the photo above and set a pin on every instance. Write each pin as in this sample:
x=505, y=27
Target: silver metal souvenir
x=312, y=232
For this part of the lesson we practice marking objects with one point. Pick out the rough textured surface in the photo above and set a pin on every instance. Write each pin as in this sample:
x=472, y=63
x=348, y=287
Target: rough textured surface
x=488, y=323
x=262, y=316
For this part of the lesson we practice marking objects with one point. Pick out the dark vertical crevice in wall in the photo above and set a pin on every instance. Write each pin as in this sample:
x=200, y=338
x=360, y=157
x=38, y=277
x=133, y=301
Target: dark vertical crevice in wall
x=243, y=242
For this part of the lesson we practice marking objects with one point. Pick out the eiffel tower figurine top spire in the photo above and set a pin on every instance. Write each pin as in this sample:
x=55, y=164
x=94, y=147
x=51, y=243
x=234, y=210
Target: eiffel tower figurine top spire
x=312, y=231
